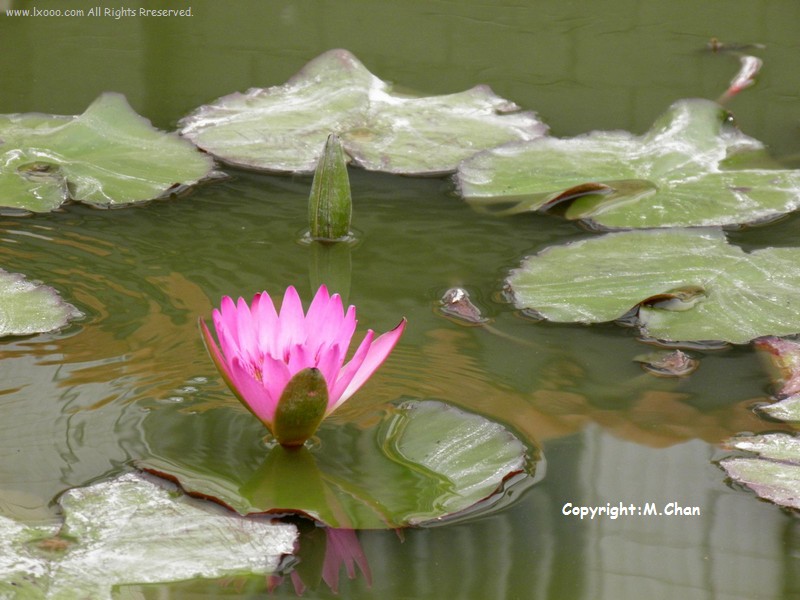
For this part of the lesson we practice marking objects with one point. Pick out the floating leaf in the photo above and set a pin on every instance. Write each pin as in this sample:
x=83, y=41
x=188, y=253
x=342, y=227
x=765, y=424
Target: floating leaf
x=693, y=168
x=27, y=308
x=422, y=462
x=113, y=534
x=787, y=409
x=109, y=155
x=775, y=474
x=716, y=291
x=284, y=128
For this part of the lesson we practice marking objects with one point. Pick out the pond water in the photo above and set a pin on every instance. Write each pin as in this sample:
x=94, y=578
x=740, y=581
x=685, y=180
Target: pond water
x=79, y=405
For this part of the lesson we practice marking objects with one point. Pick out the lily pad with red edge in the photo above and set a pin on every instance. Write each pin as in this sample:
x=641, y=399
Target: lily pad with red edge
x=27, y=308
x=107, y=156
x=693, y=168
x=283, y=128
x=686, y=285
x=774, y=474
x=419, y=463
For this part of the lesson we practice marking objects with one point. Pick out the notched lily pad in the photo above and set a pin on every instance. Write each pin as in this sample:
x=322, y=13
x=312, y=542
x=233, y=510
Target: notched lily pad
x=107, y=156
x=284, y=128
x=27, y=308
x=423, y=462
x=113, y=534
x=689, y=285
x=693, y=168
x=775, y=474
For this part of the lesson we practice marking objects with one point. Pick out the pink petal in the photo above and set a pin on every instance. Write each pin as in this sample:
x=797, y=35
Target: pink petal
x=255, y=396
x=216, y=355
x=226, y=316
x=348, y=372
x=323, y=321
x=245, y=331
x=300, y=357
x=378, y=351
x=330, y=363
x=347, y=327
x=274, y=377
x=228, y=340
x=318, y=306
x=292, y=321
x=265, y=318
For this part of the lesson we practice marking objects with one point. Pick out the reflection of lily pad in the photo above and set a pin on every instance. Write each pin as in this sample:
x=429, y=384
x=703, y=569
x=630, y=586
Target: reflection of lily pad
x=691, y=285
x=27, y=308
x=113, y=534
x=284, y=128
x=775, y=474
x=424, y=461
x=691, y=169
x=109, y=155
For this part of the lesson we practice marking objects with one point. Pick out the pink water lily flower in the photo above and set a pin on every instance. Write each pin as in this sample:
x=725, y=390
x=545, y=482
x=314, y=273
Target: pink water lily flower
x=260, y=349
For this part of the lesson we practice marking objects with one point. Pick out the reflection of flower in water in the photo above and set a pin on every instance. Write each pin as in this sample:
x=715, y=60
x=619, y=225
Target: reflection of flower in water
x=270, y=358
x=342, y=549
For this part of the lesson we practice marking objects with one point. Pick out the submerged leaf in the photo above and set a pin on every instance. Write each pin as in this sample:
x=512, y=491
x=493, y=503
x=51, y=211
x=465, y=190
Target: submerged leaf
x=775, y=474
x=691, y=169
x=27, y=308
x=283, y=128
x=109, y=155
x=426, y=461
x=688, y=285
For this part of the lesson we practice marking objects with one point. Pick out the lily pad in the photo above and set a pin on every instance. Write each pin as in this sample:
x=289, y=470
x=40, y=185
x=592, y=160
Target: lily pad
x=775, y=474
x=693, y=168
x=423, y=462
x=27, y=308
x=107, y=156
x=688, y=284
x=113, y=534
x=284, y=128
x=787, y=409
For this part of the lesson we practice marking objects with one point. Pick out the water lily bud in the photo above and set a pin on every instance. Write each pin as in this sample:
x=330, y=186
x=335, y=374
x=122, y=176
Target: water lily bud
x=330, y=205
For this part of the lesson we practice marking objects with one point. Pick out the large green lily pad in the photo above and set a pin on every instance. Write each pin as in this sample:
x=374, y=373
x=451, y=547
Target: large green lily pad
x=775, y=474
x=693, y=168
x=113, y=534
x=284, y=128
x=107, y=156
x=27, y=308
x=689, y=285
x=422, y=462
